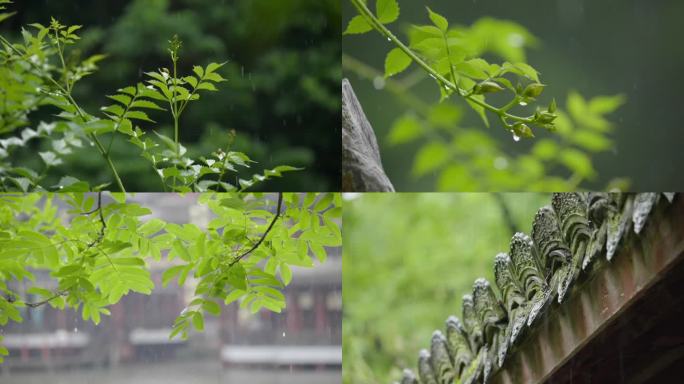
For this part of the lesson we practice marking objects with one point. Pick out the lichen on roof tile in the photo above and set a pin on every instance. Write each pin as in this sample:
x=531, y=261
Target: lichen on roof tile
x=568, y=236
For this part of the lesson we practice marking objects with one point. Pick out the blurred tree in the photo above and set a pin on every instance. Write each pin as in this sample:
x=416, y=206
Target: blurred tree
x=407, y=261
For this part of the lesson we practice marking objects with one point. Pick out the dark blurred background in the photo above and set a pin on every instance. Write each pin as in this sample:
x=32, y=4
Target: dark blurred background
x=282, y=96
x=606, y=47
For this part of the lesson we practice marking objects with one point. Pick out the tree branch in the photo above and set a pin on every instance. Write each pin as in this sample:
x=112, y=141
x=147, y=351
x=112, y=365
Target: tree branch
x=263, y=236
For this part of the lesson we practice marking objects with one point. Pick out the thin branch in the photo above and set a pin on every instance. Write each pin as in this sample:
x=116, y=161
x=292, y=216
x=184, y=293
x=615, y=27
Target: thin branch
x=100, y=235
x=263, y=236
x=378, y=26
x=49, y=299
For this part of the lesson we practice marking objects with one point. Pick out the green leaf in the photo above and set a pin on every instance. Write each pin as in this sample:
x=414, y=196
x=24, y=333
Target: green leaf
x=146, y=104
x=237, y=276
x=324, y=202
x=213, y=67
x=285, y=273
x=180, y=250
x=233, y=296
x=405, y=129
x=430, y=157
x=123, y=99
x=211, y=307
x=192, y=80
x=528, y=71
x=170, y=273
x=139, y=115
x=601, y=105
x=215, y=77
x=128, y=90
x=474, y=68
x=128, y=261
x=50, y=158
x=387, y=11
x=396, y=62
x=577, y=162
x=438, y=20
x=591, y=141
x=71, y=184
x=198, y=71
x=357, y=25
x=207, y=86
x=119, y=197
x=545, y=149
x=151, y=227
x=198, y=321
x=114, y=109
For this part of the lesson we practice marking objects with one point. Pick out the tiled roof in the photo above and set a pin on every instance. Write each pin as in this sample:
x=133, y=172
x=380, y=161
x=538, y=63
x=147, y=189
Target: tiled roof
x=577, y=235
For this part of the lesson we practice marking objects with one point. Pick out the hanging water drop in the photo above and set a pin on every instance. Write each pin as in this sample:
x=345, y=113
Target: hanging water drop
x=522, y=103
x=388, y=39
x=75, y=329
x=283, y=334
x=516, y=137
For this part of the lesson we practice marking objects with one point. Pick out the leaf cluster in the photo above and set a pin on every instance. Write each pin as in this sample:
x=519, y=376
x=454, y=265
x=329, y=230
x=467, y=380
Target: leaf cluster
x=40, y=74
x=456, y=156
x=106, y=251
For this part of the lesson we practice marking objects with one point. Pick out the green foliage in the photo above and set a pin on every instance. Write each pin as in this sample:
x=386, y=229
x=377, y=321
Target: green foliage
x=42, y=72
x=460, y=158
x=104, y=251
x=419, y=254
x=282, y=98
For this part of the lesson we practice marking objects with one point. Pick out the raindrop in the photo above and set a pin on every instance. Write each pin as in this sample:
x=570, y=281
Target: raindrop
x=516, y=137
x=523, y=103
x=516, y=40
x=283, y=334
x=388, y=39
x=379, y=82
x=75, y=329
x=500, y=163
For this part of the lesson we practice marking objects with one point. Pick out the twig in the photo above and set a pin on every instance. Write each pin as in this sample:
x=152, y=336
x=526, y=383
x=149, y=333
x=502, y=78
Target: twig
x=43, y=302
x=263, y=236
x=100, y=235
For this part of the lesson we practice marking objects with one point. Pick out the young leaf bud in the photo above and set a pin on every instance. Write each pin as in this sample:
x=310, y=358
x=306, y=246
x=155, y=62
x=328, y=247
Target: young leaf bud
x=486, y=87
x=545, y=117
x=548, y=126
x=533, y=90
x=552, y=106
x=522, y=130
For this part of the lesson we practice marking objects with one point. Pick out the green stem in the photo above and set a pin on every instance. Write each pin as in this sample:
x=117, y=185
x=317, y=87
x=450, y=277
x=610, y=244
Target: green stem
x=176, y=114
x=108, y=159
x=363, y=10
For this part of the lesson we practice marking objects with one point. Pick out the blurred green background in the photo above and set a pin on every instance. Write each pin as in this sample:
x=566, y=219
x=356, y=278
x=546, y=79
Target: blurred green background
x=606, y=47
x=282, y=96
x=407, y=261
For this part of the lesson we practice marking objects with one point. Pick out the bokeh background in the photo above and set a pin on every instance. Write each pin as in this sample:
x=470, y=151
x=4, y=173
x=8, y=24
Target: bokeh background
x=407, y=260
x=282, y=96
x=607, y=47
